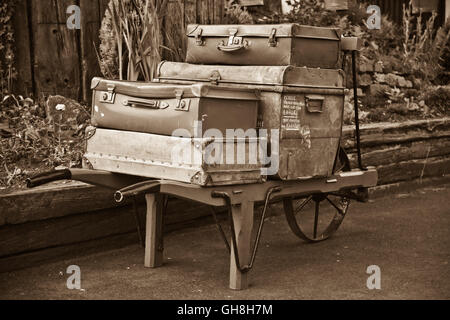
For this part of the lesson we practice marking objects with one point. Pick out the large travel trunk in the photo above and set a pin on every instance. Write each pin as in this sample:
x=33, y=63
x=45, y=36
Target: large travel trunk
x=164, y=108
x=201, y=161
x=264, y=45
x=305, y=105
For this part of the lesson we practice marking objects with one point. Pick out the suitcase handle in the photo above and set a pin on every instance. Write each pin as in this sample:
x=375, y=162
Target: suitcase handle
x=152, y=104
x=232, y=47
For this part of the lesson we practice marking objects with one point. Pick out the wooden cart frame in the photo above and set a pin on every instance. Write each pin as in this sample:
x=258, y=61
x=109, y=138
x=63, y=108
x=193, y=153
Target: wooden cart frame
x=239, y=200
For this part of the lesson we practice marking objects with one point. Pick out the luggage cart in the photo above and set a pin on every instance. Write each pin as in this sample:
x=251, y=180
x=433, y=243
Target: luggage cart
x=239, y=201
x=335, y=191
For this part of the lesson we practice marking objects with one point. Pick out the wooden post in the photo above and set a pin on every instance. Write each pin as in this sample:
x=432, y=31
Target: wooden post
x=243, y=223
x=89, y=42
x=24, y=84
x=154, y=231
x=56, y=50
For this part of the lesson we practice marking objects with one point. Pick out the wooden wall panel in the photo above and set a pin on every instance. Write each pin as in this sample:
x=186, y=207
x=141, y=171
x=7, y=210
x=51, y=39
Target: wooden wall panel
x=24, y=82
x=89, y=41
x=52, y=59
x=56, y=50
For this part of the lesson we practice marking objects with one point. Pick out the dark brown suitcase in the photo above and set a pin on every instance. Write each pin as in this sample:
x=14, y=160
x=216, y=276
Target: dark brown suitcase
x=264, y=45
x=306, y=106
x=163, y=108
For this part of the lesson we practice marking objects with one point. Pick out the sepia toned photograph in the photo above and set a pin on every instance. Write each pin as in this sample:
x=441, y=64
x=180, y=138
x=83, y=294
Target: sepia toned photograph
x=224, y=155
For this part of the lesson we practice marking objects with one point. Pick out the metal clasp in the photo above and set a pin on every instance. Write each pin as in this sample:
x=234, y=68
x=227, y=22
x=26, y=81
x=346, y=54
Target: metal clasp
x=108, y=97
x=272, y=38
x=182, y=105
x=215, y=77
x=198, y=37
x=232, y=39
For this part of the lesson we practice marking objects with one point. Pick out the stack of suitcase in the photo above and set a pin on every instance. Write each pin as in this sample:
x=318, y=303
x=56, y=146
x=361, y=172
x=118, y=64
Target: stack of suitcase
x=282, y=78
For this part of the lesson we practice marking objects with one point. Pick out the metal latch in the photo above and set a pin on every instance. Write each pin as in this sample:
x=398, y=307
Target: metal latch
x=232, y=39
x=182, y=104
x=272, y=38
x=198, y=37
x=215, y=77
x=108, y=97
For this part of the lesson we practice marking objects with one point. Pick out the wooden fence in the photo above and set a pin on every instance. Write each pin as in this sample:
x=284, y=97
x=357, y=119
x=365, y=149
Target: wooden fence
x=52, y=59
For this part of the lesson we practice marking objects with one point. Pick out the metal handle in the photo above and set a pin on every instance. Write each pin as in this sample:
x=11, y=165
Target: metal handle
x=232, y=47
x=314, y=104
x=151, y=104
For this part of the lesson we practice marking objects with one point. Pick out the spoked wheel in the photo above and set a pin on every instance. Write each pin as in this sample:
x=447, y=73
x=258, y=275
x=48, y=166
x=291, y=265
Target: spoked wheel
x=317, y=217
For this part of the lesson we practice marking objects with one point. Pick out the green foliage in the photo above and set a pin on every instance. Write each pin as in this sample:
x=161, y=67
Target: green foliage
x=7, y=70
x=234, y=14
x=132, y=39
x=438, y=98
x=35, y=141
x=423, y=46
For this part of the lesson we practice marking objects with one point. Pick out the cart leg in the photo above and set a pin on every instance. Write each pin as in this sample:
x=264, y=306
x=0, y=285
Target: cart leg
x=243, y=223
x=154, y=231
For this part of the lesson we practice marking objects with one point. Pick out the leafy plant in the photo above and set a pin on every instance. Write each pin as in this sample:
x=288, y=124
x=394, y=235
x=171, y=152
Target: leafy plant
x=132, y=39
x=438, y=98
x=35, y=141
x=423, y=46
x=235, y=14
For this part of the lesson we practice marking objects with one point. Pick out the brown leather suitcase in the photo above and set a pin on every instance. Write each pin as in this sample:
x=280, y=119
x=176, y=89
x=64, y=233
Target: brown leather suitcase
x=181, y=159
x=163, y=108
x=305, y=104
x=264, y=45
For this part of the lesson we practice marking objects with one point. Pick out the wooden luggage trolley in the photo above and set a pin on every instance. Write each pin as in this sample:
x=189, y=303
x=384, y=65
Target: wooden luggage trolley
x=314, y=170
x=239, y=200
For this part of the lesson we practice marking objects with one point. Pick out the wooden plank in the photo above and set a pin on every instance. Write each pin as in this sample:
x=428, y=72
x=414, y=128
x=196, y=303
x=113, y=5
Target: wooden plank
x=24, y=83
x=393, y=133
x=413, y=169
x=89, y=42
x=52, y=202
x=403, y=152
x=387, y=190
x=243, y=216
x=203, y=11
x=174, y=31
x=59, y=253
x=190, y=11
x=246, y=3
x=103, y=4
x=56, y=50
x=154, y=251
x=28, y=237
x=218, y=11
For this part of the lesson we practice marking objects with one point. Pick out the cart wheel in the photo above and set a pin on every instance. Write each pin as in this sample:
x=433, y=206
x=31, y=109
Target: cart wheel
x=320, y=215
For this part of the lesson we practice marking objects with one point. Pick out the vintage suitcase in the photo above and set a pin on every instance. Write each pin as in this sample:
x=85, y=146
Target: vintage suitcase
x=201, y=161
x=161, y=109
x=305, y=105
x=264, y=45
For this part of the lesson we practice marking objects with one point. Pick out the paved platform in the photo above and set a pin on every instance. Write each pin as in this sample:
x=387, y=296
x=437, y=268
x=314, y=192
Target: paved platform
x=406, y=235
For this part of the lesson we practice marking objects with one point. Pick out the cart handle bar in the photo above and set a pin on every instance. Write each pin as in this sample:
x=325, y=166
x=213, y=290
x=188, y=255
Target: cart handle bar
x=48, y=177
